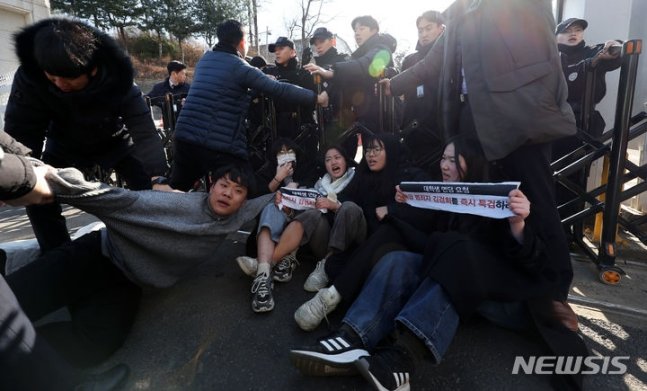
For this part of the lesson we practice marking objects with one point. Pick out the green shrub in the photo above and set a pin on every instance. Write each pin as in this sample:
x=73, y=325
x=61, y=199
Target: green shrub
x=146, y=47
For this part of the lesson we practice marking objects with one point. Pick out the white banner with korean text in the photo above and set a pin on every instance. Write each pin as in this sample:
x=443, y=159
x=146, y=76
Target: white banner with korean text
x=299, y=199
x=481, y=199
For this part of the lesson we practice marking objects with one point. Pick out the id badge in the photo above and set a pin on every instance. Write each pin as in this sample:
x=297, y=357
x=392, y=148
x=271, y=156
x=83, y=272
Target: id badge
x=420, y=91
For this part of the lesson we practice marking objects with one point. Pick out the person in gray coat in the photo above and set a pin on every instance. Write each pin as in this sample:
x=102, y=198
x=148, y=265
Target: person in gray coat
x=152, y=238
x=210, y=130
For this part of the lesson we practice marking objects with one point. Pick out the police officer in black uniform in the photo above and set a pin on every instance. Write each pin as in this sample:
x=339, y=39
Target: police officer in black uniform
x=337, y=117
x=292, y=121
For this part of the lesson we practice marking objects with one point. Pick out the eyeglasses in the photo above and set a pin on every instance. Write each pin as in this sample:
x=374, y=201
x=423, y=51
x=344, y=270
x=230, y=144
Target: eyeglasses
x=372, y=150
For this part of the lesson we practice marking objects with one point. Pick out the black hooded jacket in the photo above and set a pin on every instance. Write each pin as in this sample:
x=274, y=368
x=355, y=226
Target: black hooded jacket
x=331, y=57
x=103, y=123
x=358, y=82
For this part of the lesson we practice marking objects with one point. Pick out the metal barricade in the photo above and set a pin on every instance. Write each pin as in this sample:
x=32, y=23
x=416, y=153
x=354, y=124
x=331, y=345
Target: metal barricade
x=625, y=128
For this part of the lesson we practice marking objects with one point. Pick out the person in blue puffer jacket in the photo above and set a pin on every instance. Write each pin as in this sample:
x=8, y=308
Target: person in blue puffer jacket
x=210, y=131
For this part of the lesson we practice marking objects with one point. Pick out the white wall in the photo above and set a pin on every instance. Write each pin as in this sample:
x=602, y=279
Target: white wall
x=14, y=14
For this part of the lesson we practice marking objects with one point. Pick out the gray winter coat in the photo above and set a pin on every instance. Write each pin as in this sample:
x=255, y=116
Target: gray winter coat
x=516, y=88
x=154, y=237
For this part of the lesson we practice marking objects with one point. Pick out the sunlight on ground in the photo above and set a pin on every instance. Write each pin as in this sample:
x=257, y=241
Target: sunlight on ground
x=143, y=384
x=597, y=338
x=642, y=364
x=578, y=291
x=634, y=383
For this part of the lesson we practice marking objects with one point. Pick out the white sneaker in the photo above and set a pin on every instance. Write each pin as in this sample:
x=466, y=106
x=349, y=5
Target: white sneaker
x=313, y=311
x=248, y=265
x=318, y=278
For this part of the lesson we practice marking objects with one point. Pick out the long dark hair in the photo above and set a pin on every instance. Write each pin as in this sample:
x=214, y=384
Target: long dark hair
x=472, y=152
x=382, y=182
x=342, y=151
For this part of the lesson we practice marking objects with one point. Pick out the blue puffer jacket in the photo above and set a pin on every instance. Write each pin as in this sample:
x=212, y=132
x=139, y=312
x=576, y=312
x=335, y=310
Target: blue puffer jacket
x=214, y=113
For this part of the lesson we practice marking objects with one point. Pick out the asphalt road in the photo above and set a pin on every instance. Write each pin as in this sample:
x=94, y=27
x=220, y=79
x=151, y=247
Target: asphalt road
x=201, y=334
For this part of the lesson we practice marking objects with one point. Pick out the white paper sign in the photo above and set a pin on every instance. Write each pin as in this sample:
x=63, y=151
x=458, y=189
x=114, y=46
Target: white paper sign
x=481, y=199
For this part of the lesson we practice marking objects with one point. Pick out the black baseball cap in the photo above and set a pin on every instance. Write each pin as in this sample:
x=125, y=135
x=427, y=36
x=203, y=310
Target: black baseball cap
x=281, y=41
x=320, y=33
x=175, y=66
x=570, y=22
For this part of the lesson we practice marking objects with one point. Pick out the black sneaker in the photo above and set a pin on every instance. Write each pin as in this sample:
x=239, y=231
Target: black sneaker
x=387, y=369
x=283, y=270
x=262, y=300
x=333, y=355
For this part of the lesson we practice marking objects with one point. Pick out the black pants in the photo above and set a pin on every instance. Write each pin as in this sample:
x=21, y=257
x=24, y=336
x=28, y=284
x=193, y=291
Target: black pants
x=190, y=162
x=27, y=362
x=47, y=220
x=348, y=270
x=101, y=300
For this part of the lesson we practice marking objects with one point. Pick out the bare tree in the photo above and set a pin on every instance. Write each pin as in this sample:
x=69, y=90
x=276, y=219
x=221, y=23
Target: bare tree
x=290, y=26
x=254, y=22
x=310, y=17
x=306, y=22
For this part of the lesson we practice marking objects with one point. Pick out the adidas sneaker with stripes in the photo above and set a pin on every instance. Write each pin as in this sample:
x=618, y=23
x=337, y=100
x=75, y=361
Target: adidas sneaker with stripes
x=332, y=356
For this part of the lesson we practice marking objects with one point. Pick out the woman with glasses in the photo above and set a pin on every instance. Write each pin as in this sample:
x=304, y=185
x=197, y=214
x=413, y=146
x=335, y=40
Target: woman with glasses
x=382, y=168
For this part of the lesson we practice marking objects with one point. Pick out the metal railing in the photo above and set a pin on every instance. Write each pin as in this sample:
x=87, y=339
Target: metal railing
x=613, y=144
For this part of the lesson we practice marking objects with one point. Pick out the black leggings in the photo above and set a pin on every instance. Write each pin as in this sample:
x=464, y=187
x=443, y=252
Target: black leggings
x=101, y=300
x=348, y=270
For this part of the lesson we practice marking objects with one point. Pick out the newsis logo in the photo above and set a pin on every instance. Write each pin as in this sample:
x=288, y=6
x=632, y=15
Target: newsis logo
x=560, y=365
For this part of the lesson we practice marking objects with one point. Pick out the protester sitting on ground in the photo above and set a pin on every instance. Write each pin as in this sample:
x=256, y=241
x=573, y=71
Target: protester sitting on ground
x=333, y=231
x=210, y=131
x=175, y=84
x=74, y=94
x=272, y=222
x=281, y=168
x=373, y=189
x=152, y=239
x=457, y=271
x=27, y=361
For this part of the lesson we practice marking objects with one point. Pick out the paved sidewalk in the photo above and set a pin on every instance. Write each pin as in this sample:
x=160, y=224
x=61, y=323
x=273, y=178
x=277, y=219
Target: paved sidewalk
x=202, y=334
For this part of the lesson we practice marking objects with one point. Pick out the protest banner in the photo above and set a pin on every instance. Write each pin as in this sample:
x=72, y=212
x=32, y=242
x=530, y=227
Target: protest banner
x=481, y=199
x=299, y=199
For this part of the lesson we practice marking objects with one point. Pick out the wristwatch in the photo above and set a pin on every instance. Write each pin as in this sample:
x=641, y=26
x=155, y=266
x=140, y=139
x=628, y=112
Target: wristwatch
x=160, y=180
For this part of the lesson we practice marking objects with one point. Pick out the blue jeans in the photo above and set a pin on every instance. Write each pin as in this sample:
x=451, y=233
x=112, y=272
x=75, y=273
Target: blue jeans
x=273, y=219
x=396, y=292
